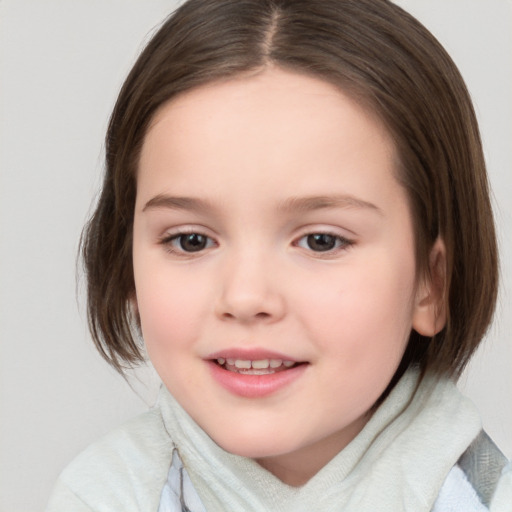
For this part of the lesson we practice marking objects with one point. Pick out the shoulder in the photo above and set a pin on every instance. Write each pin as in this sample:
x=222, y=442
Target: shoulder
x=481, y=481
x=125, y=470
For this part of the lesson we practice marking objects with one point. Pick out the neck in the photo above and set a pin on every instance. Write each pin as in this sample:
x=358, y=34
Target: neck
x=298, y=467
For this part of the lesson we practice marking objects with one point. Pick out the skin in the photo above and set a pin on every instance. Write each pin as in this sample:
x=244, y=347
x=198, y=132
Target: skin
x=251, y=150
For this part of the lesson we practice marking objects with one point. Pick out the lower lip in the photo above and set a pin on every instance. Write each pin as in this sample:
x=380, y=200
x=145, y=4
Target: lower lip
x=255, y=386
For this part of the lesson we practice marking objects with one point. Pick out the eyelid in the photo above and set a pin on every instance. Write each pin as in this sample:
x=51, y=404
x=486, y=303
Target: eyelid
x=175, y=233
x=346, y=242
x=185, y=229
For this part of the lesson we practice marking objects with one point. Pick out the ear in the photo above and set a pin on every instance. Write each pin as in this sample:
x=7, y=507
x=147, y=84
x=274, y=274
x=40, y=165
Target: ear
x=134, y=307
x=429, y=315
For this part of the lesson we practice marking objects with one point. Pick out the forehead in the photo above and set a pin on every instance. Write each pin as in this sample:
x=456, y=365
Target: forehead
x=284, y=95
x=292, y=130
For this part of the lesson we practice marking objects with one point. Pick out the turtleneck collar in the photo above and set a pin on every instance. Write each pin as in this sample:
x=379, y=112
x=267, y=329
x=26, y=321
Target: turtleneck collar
x=399, y=460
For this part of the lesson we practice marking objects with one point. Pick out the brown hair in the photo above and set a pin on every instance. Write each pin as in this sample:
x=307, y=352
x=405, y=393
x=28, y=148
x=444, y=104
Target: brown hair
x=372, y=50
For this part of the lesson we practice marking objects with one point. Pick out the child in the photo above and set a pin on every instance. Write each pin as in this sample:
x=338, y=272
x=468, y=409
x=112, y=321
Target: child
x=295, y=220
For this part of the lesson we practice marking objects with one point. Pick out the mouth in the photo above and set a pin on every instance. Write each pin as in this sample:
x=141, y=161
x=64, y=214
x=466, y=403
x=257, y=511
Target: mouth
x=255, y=374
x=255, y=366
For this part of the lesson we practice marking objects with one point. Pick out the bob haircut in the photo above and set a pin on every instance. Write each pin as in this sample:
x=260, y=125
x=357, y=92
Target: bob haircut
x=381, y=57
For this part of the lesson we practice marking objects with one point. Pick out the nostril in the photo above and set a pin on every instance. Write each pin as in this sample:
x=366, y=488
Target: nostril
x=249, y=307
x=262, y=315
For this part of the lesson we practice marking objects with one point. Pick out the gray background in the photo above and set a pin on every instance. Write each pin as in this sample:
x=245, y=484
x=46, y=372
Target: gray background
x=61, y=65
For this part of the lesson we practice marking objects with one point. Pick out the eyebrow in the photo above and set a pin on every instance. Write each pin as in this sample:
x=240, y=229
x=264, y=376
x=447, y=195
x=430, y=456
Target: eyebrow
x=292, y=204
x=178, y=203
x=311, y=203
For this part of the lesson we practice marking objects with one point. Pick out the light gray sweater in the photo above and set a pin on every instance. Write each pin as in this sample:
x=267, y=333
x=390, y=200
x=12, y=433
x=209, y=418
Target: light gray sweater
x=407, y=458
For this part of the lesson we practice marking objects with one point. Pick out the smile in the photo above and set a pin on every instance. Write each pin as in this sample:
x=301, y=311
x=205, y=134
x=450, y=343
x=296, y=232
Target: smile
x=255, y=367
x=254, y=373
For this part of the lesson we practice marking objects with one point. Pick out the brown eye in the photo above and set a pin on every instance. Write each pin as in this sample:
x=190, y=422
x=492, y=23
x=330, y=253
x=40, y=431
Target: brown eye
x=321, y=242
x=183, y=244
x=188, y=242
x=192, y=242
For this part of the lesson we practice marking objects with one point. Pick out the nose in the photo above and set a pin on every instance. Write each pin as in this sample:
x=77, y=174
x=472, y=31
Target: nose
x=250, y=291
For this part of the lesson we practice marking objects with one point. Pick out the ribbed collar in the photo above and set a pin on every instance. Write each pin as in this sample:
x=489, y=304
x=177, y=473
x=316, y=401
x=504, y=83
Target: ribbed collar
x=399, y=461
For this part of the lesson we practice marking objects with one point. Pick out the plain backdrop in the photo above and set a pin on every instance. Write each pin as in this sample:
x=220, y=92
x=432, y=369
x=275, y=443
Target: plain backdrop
x=61, y=66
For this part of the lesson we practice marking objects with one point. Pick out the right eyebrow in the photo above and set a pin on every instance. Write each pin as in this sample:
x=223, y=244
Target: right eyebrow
x=311, y=203
x=178, y=203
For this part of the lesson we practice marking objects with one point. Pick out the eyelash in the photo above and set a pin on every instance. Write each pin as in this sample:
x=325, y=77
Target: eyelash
x=167, y=242
x=341, y=243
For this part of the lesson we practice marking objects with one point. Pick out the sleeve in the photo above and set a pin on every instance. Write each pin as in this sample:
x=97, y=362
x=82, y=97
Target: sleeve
x=123, y=471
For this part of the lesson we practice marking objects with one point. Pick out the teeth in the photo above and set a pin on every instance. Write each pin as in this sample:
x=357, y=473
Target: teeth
x=253, y=371
x=260, y=364
x=240, y=363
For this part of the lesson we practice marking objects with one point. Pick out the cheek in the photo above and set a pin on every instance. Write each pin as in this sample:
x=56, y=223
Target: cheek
x=169, y=316
x=169, y=308
x=365, y=312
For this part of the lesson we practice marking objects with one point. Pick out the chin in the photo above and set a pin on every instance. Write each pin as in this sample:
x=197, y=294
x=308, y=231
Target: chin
x=252, y=446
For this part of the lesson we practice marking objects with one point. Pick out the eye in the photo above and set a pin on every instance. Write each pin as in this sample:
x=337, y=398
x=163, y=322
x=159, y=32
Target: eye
x=323, y=242
x=188, y=242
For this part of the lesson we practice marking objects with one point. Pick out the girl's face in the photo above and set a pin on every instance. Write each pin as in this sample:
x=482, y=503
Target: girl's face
x=274, y=265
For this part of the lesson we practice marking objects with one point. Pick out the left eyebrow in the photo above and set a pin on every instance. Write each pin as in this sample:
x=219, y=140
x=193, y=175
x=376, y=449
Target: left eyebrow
x=310, y=203
x=178, y=203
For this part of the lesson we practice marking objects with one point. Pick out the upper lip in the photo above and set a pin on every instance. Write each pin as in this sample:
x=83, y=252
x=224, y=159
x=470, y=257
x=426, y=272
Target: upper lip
x=250, y=354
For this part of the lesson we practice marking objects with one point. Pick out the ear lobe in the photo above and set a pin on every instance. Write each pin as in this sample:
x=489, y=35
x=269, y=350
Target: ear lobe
x=134, y=308
x=429, y=315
